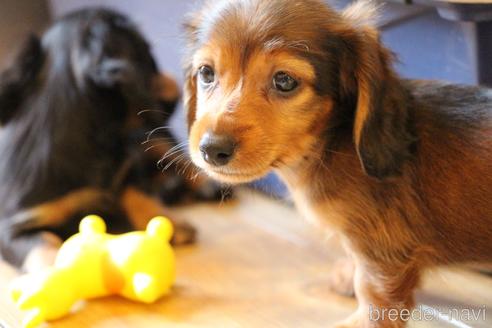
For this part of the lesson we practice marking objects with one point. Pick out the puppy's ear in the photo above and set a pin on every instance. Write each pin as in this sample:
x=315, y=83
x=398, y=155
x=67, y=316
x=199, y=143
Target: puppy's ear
x=18, y=79
x=189, y=94
x=383, y=131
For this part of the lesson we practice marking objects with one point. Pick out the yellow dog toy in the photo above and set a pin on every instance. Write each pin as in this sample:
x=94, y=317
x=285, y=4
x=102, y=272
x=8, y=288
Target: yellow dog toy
x=137, y=265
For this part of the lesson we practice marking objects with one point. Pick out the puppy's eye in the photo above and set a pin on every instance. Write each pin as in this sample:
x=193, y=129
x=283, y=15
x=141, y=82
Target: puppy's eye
x=207, y=75
x=284, y=82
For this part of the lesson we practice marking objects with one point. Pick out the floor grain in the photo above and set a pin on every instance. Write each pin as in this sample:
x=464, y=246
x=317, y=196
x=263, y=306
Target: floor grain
x=257, y=264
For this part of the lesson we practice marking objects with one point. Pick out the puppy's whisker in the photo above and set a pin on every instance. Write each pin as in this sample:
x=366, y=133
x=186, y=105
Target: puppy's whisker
x=180, y=158
x=154, y=146
x=191, y=170
x=174, y=161
x=179, y=147
x=144, y=111
x=156, y=139
x=149, y=134
x=197, y=174
x=190, y=167
x=183, y=163
x=172, y=154
x=183, y=166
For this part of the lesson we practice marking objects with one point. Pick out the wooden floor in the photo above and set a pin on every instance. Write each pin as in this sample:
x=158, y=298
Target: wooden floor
x=257, y=264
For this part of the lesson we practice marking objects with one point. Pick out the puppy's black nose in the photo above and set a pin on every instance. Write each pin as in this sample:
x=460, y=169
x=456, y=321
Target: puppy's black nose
x=216, y=149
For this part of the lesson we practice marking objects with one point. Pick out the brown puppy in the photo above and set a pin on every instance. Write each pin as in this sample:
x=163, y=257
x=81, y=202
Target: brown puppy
x=402, y=169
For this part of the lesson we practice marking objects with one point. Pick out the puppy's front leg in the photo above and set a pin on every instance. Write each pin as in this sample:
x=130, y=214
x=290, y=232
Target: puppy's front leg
x=385, y=295
x=342, y=278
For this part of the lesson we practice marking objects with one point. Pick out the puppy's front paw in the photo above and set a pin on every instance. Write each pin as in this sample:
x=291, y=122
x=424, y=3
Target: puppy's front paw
x=351, y=322
x=362, y=319
x=342, y=278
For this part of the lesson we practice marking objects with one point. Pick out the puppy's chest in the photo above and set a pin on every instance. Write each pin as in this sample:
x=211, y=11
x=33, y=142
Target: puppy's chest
x=332, y=213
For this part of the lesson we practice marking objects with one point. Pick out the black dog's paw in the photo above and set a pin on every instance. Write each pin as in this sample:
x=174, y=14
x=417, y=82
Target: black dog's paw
x=177, y=190
x=184, y=233
x=174, y=190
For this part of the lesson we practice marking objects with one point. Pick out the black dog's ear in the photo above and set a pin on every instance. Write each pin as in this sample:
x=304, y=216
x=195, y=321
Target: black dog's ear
x=168, y=93
x=17, y=79
x=383, y=130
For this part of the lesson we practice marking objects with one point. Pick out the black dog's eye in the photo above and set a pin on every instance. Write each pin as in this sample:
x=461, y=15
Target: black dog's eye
x=284, y=82
x=207, y=75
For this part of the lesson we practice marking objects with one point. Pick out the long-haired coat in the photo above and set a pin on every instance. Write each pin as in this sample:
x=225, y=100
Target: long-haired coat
x=401, y=169
x=70, y=134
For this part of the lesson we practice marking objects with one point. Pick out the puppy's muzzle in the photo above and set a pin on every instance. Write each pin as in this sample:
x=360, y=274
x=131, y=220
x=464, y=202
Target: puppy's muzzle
x=217, y=150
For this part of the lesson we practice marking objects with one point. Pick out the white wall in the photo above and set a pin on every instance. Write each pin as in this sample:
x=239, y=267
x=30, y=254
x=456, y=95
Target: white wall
x=159, y=20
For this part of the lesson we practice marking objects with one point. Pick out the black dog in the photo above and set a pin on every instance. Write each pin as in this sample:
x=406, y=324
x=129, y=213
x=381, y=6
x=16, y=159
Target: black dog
x=70, y=134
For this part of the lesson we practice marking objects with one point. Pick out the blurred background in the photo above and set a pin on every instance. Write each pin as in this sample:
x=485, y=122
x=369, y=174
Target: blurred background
x=256, y=263
x=448, y=40
x=433, y=39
